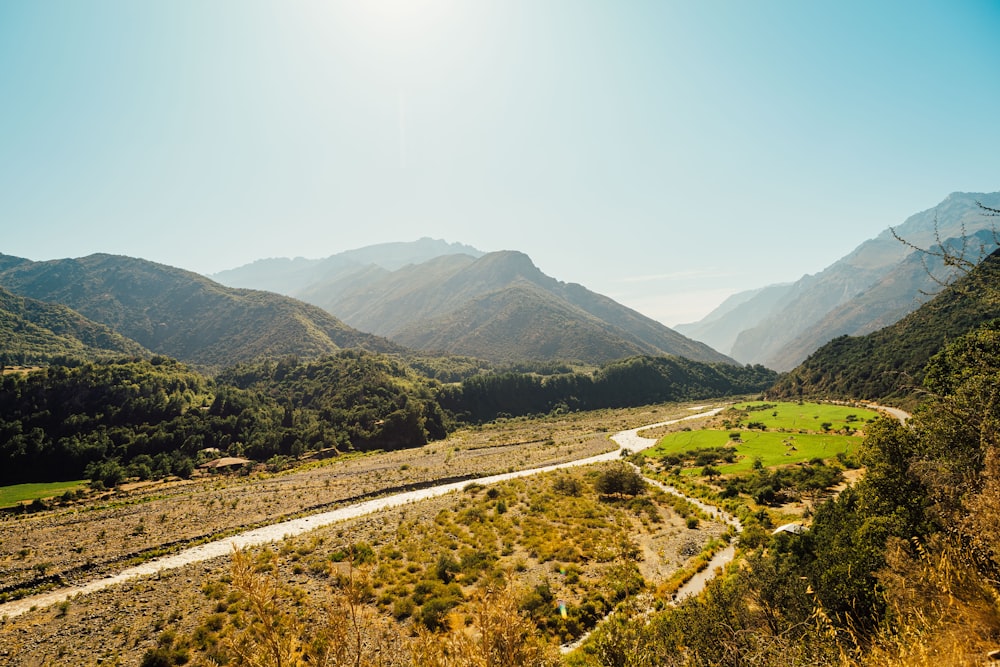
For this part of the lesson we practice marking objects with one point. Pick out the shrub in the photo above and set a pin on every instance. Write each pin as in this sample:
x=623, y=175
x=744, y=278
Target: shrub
x=620, y=480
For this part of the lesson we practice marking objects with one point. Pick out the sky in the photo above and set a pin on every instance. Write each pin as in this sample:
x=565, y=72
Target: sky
x=664, y=153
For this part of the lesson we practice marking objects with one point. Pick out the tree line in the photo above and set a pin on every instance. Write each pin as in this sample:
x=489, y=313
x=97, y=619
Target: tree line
x=626, y=383
x=152, y=418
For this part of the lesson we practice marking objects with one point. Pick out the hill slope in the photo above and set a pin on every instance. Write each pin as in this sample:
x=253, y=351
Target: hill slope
x=182, y=314
x=500, y=307
x=889, y=363
x=741, y=311
x=767, y=334
x=33, y=331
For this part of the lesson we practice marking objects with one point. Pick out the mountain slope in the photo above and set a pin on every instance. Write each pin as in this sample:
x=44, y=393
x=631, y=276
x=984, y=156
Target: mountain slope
x=910, y=284
x=500, y=307
x=768, y=337
x=182, y=314
x=519, y=322
x=292, y=276
x=740, y=311
x=33, y=331
x=889, y=363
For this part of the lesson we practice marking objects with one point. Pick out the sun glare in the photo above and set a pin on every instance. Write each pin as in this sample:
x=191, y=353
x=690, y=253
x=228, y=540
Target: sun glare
x=402, y=20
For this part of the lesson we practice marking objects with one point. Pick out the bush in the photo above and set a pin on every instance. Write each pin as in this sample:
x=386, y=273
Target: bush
x=567, y=485
x=434, y=611
x=620, y=480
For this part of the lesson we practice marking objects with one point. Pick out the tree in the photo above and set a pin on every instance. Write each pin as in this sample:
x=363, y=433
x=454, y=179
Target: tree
x=108, y=473
x=961, y=257
x=620, y=480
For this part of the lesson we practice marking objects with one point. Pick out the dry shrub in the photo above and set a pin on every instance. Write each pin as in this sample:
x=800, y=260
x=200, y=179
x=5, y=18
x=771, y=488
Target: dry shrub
x=352, y=633
x=270, y=637
x=346, y=632
x=500, y=636
x=944, y=612
x=278, y=630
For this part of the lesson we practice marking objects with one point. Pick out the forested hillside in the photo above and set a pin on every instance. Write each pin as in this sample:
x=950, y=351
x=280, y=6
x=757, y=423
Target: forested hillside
x=354, y=398
x=152, y=418
x=182, y=314
x=889, y=363
x=33, y=332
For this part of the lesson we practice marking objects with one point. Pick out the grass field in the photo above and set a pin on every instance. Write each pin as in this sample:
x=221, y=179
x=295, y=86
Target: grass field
x=782, y=434
x=18, y=493
x=773, y=448
x=806, y=416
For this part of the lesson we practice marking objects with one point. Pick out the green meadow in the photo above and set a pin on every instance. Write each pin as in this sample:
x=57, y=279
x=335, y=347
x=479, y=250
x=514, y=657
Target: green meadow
x=805, y=416
x=774, y=449
x=19, y=493
x=776, y=433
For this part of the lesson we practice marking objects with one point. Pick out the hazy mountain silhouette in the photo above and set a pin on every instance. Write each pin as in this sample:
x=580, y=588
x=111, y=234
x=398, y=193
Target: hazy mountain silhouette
x=780, y=325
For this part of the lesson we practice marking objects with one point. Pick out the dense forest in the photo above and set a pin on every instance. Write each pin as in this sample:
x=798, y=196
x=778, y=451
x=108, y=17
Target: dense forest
x=152, y=418
x=629, y=382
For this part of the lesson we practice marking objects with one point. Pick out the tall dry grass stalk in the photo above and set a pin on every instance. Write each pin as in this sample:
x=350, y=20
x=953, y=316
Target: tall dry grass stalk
x=499, y=636
x=943, y=611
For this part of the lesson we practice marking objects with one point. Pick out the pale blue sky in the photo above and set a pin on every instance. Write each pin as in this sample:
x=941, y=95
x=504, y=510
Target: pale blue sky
x=666, y=154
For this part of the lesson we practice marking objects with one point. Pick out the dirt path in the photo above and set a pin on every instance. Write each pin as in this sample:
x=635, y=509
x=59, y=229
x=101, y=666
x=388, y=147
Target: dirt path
x=631, y=441
x=901, y=415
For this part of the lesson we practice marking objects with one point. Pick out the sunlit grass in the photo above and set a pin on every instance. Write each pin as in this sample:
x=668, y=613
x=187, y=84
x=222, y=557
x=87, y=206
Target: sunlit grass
x=773, y=449
x=19, y=493
x=806, y=416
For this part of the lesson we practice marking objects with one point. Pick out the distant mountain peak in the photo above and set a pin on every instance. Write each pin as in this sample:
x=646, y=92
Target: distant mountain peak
x=803, y=316
x=292, y=276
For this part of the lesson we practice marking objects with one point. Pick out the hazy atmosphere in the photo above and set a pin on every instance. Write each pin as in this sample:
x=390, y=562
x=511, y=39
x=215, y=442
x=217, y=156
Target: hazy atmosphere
x=666, y=154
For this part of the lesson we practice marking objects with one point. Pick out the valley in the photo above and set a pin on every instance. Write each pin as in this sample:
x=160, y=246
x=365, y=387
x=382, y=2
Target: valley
x=110, y=534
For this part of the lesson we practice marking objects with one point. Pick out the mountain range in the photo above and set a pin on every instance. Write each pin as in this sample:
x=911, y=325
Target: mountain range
x=889, y=364
x=875, y=285
x=182, y=314
x=448, y=298
x=497, y=306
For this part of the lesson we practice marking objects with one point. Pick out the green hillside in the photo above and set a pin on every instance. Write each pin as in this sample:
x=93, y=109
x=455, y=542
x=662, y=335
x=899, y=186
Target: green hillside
x=499, y=307
x=33, y=332
x=889, y=363
x=153, y=417
x=182, y=314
